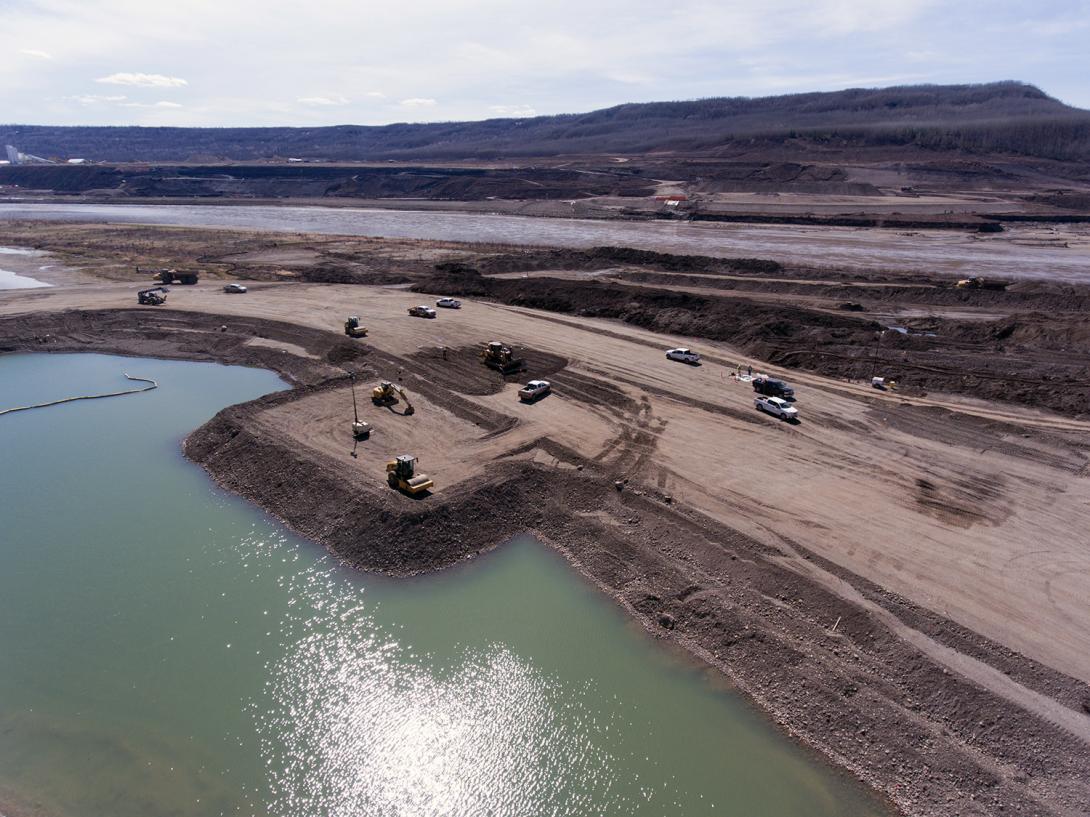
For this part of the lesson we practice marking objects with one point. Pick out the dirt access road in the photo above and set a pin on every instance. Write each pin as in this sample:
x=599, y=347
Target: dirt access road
x=968, y=510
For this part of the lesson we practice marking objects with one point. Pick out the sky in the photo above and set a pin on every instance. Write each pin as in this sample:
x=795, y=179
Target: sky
x=326, y=62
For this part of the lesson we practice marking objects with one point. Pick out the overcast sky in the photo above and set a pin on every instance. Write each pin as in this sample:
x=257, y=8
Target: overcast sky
x=322, y=62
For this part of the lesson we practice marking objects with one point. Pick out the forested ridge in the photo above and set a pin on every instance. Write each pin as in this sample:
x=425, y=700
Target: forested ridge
x=1005, y=117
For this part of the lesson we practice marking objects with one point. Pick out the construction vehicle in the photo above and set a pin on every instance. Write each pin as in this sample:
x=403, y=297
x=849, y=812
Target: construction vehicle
x=387, y=393
x=980, y=283
x=170, y=276
x=353, y=328
x=156, y=296
x=401, y=474
x=499, y=357
x=360, y=429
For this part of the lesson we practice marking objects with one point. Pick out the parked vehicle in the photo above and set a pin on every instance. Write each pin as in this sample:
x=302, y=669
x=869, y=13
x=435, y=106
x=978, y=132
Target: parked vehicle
x=771, y=387
x=683, y=355
x=234, y=288
x=777, y=407
x=449, y=303
x=534, y=390
x=422, y=312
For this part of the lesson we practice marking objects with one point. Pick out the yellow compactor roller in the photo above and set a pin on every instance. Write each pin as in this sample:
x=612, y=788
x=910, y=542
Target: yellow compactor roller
x=353, y=328
x=401, y=474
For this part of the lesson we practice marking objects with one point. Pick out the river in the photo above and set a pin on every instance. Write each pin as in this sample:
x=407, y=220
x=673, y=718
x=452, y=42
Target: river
x=954, y=252
x=168, y=649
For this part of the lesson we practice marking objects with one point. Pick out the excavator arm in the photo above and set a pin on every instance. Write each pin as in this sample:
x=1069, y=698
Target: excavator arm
x=405, y=396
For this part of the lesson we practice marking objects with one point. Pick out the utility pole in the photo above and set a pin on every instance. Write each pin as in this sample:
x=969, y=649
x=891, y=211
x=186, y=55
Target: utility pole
x=874, y=357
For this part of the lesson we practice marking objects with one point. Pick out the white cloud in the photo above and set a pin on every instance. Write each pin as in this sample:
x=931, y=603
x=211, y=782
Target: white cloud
x=514, y=111
x=34, y=52
x=160, y=104
x=143, y=80
x=96, y=99
x=120, y=101
x=565, y=55
x=332, y=99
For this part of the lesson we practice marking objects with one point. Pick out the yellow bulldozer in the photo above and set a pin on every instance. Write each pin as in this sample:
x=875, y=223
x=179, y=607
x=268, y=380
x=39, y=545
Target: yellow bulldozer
x=387, y=393
x=353, y=328
x=401, y=474
x=499, y=357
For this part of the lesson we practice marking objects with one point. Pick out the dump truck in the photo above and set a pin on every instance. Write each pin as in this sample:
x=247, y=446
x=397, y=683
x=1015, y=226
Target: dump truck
x=170, y=276
x=156, y=296
x=353, y=328
x=499, y=357
x=401, y=474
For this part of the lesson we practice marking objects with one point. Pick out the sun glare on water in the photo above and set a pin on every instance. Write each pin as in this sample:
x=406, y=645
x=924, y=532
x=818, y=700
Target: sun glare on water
x=357, y=724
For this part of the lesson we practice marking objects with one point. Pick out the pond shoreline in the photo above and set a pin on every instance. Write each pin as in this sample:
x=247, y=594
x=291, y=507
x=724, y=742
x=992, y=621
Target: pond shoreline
x=853, y=690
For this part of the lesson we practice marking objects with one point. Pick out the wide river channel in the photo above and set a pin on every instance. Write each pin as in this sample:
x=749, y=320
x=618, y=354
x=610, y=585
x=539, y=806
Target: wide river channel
x=1017, y=253
x=168, y=649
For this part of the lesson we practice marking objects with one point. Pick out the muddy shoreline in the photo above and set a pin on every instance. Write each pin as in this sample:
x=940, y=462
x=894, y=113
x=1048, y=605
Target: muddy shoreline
x=828, y=670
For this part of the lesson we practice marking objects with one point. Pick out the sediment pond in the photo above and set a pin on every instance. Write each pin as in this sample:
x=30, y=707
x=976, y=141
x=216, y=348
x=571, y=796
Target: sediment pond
x=168, y=649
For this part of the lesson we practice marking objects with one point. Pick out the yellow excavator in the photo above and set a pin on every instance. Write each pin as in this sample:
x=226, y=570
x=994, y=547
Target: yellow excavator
x=353, y=328
x=387, y=393
x=499, y=357
x=401, y=474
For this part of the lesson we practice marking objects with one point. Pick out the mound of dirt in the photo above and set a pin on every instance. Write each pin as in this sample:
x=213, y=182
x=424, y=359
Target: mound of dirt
x=604, y=257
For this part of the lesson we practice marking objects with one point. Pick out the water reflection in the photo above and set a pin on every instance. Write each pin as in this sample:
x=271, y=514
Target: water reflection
x=354, y=722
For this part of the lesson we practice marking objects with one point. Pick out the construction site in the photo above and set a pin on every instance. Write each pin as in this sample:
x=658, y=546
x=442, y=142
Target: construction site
x=811, y=480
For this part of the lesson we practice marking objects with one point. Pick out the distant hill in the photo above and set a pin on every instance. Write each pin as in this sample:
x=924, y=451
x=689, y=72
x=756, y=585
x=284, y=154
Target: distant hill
x=1004, y=117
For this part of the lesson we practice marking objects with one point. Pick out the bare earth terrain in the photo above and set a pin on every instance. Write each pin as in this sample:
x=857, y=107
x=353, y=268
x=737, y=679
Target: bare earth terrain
x=900, y=578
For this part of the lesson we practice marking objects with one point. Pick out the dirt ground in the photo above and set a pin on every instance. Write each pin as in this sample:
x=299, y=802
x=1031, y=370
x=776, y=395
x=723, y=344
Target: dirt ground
x=897, y=577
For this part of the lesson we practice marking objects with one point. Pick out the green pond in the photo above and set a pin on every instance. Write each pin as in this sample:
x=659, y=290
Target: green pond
x=168, y=649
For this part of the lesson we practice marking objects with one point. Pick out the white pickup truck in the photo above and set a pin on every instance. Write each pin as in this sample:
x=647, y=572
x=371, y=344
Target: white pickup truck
x=534, y=390
x=777, y=407
x=683, y=355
